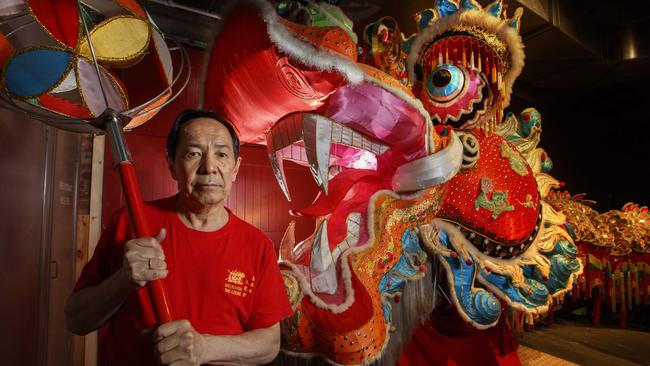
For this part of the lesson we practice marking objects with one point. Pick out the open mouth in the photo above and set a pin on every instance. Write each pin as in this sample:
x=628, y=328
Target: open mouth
x=329, y=150
x=325, y=147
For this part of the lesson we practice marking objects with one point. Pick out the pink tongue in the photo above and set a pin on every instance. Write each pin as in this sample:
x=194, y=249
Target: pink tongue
x=338, y=188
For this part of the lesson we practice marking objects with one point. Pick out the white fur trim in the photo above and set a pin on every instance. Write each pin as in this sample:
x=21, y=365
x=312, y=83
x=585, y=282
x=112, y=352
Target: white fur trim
x=351, y=34
x=303, y=51
x=317, y=301
x=492, y=24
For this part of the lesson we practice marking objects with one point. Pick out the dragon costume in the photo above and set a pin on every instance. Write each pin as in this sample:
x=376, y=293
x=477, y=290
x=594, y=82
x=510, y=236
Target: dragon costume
x=417, y=166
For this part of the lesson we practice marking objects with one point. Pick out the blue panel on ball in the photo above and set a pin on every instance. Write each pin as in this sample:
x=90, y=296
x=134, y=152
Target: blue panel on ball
x=34, y=72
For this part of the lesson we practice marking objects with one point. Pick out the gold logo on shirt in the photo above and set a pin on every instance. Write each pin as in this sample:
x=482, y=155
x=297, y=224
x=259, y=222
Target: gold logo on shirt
x=236, y=284
x=235, y=277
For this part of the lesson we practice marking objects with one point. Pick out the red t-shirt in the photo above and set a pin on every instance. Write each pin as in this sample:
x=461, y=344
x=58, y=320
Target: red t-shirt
x=224, y=282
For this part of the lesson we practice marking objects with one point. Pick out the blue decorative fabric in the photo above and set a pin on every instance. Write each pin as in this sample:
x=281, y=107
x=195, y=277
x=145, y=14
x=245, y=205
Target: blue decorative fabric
x=425, y=17
x=565, y=248
x=446, y=7
x=547, y=165
x=569, y=228
x=514, y=23
x=406, y=268
x=406, y=45
x=35, y=72
x=468, y=5
x=537, y=296
x=495, y=8
x=480, y=306
x=561, y=270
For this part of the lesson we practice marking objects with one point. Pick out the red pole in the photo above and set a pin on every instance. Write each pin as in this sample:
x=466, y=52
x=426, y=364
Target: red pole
x=157, y=296
x=141, y=227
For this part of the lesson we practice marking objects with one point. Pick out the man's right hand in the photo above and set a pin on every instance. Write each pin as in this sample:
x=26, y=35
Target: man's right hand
x=144, y=259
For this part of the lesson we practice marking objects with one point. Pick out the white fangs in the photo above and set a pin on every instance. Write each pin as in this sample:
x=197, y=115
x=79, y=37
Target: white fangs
x=322, y=269
x=321, y=274
x=430, y=170
x=317, y=133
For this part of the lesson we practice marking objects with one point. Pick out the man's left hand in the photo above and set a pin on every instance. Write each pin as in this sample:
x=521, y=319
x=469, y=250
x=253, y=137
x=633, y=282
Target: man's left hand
x=178, y=343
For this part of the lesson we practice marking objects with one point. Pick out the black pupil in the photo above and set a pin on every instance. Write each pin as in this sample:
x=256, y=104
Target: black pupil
x=441, y=78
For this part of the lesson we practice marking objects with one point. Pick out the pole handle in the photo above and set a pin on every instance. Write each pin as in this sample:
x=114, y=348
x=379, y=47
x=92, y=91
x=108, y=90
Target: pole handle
x=141, y=227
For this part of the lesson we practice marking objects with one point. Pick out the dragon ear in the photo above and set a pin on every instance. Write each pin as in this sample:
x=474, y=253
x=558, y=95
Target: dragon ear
x=424, y=17
x=495, y=8
x=470, y=5
x=446, y=7
x=515, y=21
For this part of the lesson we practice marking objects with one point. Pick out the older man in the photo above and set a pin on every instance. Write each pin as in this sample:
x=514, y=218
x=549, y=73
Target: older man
x=220, y=273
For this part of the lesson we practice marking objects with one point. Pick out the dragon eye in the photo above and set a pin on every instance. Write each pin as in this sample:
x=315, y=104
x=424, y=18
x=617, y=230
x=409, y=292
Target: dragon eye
x=445, y=82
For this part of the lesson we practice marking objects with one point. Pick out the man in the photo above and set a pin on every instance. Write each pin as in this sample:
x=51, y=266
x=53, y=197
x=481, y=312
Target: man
x=220, y=273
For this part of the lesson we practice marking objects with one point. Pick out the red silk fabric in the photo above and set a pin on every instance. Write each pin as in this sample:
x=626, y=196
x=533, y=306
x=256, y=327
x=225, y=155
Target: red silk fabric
x=60, y=18
x=447, y=340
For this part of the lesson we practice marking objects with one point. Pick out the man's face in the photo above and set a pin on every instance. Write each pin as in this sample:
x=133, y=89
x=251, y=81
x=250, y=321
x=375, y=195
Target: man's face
x=205, y=165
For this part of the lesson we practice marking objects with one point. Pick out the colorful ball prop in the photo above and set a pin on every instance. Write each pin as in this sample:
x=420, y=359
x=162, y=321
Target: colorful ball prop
x=67, y=61
x=73, y=64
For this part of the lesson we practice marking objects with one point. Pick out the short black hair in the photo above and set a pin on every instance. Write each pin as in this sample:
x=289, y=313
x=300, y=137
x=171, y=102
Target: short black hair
x=190, y=114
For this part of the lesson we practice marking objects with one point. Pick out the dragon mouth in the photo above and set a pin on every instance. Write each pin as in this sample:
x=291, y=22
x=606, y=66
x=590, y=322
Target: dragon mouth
x=497, y=248
x=321, y=144
x=327, y=149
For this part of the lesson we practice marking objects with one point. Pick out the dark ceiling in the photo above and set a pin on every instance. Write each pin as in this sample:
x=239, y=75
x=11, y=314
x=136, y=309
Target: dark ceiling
x=587, y=71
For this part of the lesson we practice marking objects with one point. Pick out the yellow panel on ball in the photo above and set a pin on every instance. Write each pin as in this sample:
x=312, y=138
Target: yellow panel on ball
x=119, y=41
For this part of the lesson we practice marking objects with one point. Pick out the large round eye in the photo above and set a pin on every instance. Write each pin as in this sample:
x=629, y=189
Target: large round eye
x=445, y=82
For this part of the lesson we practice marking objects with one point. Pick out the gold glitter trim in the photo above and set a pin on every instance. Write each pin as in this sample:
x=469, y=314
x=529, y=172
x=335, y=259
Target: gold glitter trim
x=118, y=62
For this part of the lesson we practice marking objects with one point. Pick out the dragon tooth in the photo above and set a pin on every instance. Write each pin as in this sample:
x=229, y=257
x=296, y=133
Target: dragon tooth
x=317, y=134
x=275, y=158
x=277, y=164
x=287, y=243
x=322, y=267
x=353, y=226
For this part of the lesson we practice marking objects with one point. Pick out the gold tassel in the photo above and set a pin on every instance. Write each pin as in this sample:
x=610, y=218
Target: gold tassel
x=464, y=57
x=612, y=291
x=629, y=289
x=500, y=82
x=622, y=288
x=446, y=54
x=479, y=62
x=471, y=60
x=637, y=292
x=493, y=73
